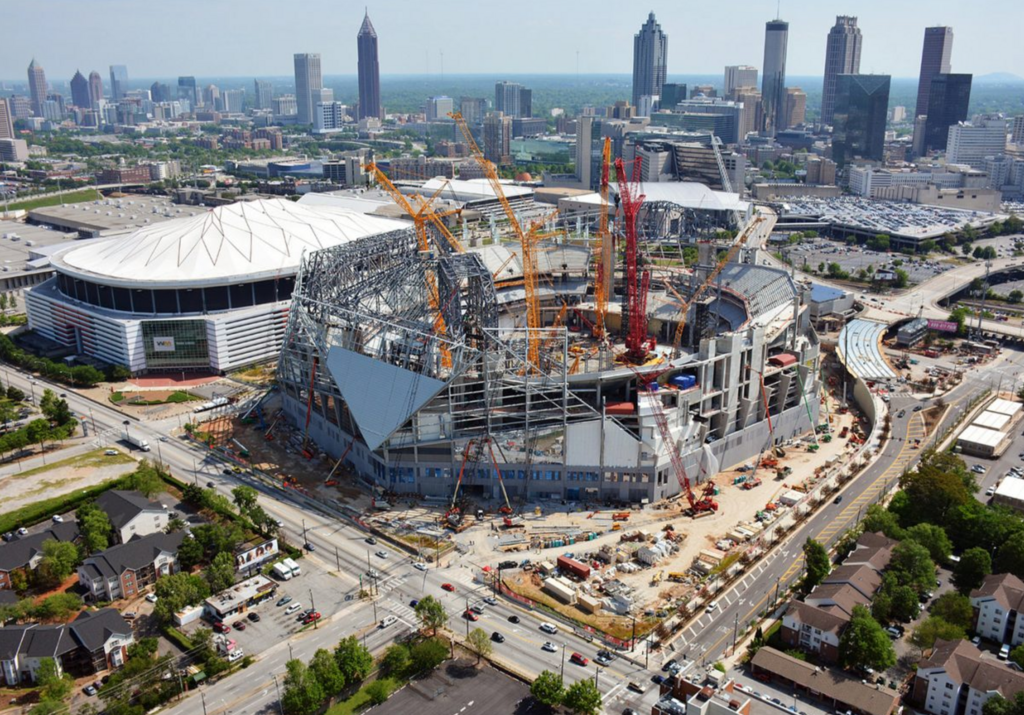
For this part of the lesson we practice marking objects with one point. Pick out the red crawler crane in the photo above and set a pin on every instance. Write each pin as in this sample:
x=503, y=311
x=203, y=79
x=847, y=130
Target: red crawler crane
x=638, y=344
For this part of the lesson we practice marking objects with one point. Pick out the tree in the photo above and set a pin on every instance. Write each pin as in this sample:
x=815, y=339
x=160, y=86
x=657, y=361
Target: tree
x=902, y=278
x=1010, y=556
x=975, y=564
x=396, y=659
x=428, y=654
x=220, y=574
x=354, y=660
x=1017, y=654
x=176, y=592
x=244, y=498
x=145, y=479
x=879, y=519
x=1015, y=296
x=912, y=565
x=94, y=525
x=54, y=685
x=431, y=613
x=817, y=564
x=998, y=705
x=934, y=490
x=954, y=608
x=378, y=691
x=13, y=393
x=547, y=689
x=190, y=554
x=583, y=697
x=864, y=643
x=58, y=607
x=302, y=692
x=934, y=539
x=60, y=558
x=905, y=604
x=480, y=643
x=327, y=673
x=934, y=628
x=756, y=643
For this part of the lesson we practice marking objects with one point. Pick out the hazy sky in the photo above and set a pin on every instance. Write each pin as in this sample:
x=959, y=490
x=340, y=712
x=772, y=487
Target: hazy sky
x=258, y=37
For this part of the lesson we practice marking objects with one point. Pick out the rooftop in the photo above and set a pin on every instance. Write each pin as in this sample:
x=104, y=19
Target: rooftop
x=963, y=663
x=113, y=214
x=982, y=436
x=122, y=506
x=244, y=241
x=1010, y=489
x=1006, y=407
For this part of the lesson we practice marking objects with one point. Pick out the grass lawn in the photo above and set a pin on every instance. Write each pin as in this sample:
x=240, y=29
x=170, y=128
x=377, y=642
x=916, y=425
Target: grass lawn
x=95, y=458
x=176, y=397
x=71, y=197
x=359, y=701
x=37, y=511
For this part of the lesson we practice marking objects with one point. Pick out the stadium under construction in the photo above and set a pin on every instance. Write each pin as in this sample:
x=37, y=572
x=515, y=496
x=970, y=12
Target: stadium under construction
x=425, y=368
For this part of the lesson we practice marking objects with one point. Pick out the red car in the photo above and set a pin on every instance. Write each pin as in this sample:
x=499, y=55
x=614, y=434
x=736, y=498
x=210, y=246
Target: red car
x=468, y=614
x=239, y=625
x=314, y=616
x=221, y=627
x=579, y=659
x=448, y=587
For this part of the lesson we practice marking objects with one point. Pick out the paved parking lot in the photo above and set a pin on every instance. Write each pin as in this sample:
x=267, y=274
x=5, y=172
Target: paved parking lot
x=462, y=687
x=764, y=696
x=853, y=258
x=997, y=469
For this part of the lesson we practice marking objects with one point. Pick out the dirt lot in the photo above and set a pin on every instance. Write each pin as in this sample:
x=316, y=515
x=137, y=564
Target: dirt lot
x=61, y=477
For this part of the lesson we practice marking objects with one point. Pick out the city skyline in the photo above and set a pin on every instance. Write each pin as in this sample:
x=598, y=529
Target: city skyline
x=891, y=45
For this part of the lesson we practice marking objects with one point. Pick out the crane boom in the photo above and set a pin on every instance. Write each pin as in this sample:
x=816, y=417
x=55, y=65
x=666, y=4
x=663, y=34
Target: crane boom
x=525, y=242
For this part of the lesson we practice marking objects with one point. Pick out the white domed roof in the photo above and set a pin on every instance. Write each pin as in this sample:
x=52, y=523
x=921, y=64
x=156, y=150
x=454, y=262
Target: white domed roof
x=236, y=243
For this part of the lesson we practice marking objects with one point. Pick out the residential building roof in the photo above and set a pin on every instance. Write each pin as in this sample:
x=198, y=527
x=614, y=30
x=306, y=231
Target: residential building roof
x=121, y=506
x=1007, y=589
x=866, y=698
x=47, y=642
x=963, y=663
x=11, y=638
x=825, y=621
x=19, y=552
x=843, y=597
x=134, y=555
x=93, y=628
x=863, y=578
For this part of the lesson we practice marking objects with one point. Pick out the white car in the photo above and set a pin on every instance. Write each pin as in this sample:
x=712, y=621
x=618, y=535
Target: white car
x=58, y=519
x=152, y=598
x=292, y=608
x=548, y=627
x=420, y=566
x=712, y=607
x=236, y=654
x=382, y=554
x=550, y=647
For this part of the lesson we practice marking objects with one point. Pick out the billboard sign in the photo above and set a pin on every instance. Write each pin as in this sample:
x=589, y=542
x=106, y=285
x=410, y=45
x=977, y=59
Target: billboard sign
x=944, y=326
x=163, y=345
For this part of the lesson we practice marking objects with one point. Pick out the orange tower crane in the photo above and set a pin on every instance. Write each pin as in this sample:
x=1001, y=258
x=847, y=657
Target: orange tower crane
x=525, y=242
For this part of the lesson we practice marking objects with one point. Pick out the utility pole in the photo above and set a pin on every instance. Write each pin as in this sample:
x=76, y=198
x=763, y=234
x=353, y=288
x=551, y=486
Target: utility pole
x=203, y=696
x=562, y=676
x=312, y=604
x=304, y=539
x=735, y=629
x=337, y=558
x=277, y=688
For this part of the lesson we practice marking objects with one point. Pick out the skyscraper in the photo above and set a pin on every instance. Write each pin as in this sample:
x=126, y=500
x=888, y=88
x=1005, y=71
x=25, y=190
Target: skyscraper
x=948, y=97
x=264, y=93
x=118, y=81
x=513, y=100
x=858, y=128
x=160, y=92
x=80, y=91
x=439, y=107
x=95, y=88
x=935, y=56
x=795, y=110
x=773, y=84
x=650, y=60
x=187, y=89
x=369, y=71
x=737, y=76
x=6, y=120
x=672, y=93
x=842, y=56
x=36, y=87
x=498, y=138
x=307, y=78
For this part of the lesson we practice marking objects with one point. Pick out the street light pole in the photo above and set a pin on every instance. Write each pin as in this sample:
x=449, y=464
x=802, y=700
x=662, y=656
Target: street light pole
x=562, y=676
x=312, y=604
x=277, y=688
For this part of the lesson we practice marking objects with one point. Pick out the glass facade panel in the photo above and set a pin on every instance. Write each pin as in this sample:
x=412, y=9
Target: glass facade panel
x=175, y=344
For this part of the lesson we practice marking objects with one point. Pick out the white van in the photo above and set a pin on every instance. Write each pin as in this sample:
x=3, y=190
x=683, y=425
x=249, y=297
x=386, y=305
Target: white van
x=388, y=620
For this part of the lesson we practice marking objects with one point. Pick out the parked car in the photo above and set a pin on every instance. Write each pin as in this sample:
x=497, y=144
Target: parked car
x=221, y=627
x=89, y=690
x=711, y=607
x=1004, y=652
x=254, y=617
x=238, y=625
x=657, y=678
x=284, y=601
x=152, y=598
x=838, y=499
x=292, y=609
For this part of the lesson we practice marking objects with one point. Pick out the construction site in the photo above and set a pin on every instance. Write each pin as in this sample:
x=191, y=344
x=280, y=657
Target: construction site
x=548, y=372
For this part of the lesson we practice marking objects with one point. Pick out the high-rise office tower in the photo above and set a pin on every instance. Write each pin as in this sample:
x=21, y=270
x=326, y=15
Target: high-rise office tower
x=672, y=93
x=36, y=87
x=80, y=91
x=513, y=100
x=935, y=56
x=6, y=120
x=737, y=76
x=187, y=89
x=95, y=88
x=498, y=138
x=650, y=60
x=773, y=83
x=795, y=108
x=211, y=96
x=858, y=126
x=842, y=56
x=439, y=107
x=160, y=92
x=948, y=97
x=1017, y=132
x=752, y=115
x=971, y=143
x=307, y=78
x=369, y=71
x=118, y=81
x=264, y=91
x=232, y=101
x=473, y=109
